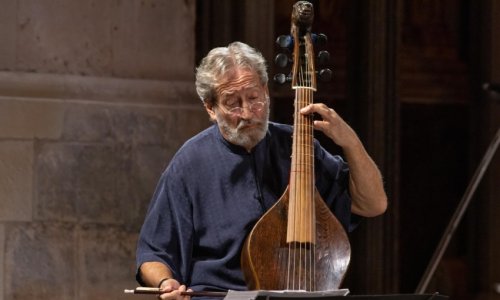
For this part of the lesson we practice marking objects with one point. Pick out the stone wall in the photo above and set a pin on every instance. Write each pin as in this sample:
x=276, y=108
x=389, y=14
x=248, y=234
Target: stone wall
x=95, y=98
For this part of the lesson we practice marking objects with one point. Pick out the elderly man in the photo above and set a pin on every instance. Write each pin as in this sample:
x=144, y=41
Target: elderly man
x=225, y=178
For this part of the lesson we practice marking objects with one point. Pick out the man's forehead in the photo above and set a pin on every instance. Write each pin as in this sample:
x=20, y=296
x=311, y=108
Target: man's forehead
x=238, y=80
x=235, y=90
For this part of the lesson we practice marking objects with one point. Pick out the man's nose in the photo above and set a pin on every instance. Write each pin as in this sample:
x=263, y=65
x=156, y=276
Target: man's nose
x=246, y=112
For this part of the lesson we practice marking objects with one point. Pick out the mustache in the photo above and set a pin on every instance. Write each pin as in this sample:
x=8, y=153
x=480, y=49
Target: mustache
x=244, y=123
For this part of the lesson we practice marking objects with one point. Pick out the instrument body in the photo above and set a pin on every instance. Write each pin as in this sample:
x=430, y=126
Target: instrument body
x=265, y=259
x=298, y=244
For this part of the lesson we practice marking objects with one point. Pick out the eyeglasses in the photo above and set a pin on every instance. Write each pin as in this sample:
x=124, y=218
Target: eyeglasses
x=254, y=107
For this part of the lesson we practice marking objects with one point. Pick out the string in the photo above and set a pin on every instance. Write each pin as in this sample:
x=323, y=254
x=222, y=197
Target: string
x=309, y=184
x=300, y=174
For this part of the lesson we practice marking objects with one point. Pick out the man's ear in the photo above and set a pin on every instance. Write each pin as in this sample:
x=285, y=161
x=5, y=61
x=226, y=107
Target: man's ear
x=210, y=111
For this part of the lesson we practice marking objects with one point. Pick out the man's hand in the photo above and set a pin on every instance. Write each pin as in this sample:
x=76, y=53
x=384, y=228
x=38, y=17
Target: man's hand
x=153, y=274
x=365, y=181
x=332, y=125
x=172, y=289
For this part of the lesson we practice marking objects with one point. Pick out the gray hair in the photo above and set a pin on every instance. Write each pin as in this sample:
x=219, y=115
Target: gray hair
x=222, y=59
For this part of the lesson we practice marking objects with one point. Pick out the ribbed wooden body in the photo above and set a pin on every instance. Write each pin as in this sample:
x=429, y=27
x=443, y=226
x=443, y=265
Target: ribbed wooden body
x=270, y=263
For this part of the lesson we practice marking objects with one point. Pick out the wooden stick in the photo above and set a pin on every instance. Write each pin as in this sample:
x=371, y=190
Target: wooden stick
x=157, y=291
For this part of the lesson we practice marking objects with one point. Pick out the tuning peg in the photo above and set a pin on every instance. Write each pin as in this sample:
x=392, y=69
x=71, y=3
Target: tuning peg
x=282, y=78
x=319, y=39
x=323, y=57
x=281, y=60
x=285, y=42
x=325, y=75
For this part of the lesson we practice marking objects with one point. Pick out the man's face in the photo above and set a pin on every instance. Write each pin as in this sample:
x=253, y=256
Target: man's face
x=242, y=108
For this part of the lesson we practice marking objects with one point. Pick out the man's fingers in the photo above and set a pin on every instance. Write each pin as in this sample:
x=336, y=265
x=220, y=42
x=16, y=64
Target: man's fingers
x=320, y=125
x=324, y=111
x=306, y=110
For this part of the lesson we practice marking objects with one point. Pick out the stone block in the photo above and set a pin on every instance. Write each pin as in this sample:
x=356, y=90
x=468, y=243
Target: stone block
x=25, y=119
x=107, y=167
x=133, y=39
x=39, y=261
x=68, y=37
x=155, y=39
x=132, y=124
x=88, y=123
x=81, y=182
x=121, y=124
x=106, y=263
x=97, y=183
x=16, y=180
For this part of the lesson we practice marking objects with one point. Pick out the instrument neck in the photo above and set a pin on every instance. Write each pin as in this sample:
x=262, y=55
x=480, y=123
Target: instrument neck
x=303, y=147
x=301, y=217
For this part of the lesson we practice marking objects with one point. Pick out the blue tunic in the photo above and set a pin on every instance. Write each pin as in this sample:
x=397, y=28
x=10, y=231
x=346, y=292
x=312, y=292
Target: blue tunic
x=211, y=195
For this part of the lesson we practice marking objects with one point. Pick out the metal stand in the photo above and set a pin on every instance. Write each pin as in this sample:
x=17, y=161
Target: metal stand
x=457, y=216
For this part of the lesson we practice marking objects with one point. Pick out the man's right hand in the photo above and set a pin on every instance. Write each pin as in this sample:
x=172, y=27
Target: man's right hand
x=172, y=289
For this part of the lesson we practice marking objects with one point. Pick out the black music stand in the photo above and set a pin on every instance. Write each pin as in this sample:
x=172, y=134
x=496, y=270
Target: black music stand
x=396, y=297
x=270, y=295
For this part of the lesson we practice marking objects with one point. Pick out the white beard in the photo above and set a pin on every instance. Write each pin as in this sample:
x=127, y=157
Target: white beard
x=241, y=136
